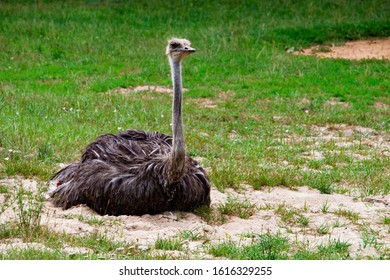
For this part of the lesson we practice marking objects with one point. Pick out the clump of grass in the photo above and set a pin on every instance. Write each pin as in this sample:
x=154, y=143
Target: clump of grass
x=99, y=243
x=210, y=215
x=305, y=207
x=349, y=214
x=227, y=249
x=28, y=209
x=93, y=220
x=275, y=247
x=325, y=207
x=291, y=216
x=224, y=175
x=267, y=247
x=323, y=184
x=45, y=152
x=332, y=250
x=100, y=247
x=337, y=224
x=370, y=237
x=323, y=229
x=33, y=254
x=335, y=249
x=191, y=235
x=168, y=244
x=7, y=199
x=303, y=220
x=234, y=207
x=272, y=178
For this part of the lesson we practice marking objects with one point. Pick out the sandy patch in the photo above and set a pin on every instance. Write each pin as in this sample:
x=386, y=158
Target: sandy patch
x=223, y=96
x=205, y=102
x=347, y=136
x=20, y=245
x=381, y=106
x=335, y=102
x=144, y=88
x=357, y=50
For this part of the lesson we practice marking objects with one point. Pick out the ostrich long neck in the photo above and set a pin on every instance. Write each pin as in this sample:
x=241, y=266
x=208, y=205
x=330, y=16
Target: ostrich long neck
x=178, y=150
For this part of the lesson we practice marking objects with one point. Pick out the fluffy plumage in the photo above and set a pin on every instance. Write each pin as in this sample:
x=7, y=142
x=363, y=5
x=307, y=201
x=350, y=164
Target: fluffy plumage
x=127, y=174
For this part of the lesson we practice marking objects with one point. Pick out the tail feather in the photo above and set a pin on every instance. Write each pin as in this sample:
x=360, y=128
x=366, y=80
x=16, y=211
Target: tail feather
x=63, y=192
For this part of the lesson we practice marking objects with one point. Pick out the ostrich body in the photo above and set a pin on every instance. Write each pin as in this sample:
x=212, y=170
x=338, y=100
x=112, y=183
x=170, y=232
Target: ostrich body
x=136, y=172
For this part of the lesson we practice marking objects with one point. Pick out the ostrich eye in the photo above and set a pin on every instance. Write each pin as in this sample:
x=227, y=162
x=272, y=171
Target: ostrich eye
x=174, y=45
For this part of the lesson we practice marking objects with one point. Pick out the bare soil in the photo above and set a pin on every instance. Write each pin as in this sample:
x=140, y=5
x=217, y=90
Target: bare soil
x=144, y=88
x=357, y=50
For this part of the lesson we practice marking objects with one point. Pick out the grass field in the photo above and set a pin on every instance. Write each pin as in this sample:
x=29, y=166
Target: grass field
x=254, y=114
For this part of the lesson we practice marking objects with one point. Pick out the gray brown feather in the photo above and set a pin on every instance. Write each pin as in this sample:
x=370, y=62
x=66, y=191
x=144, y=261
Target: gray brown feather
x=127, y=174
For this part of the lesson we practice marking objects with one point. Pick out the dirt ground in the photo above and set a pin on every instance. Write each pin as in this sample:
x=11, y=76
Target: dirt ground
x=144, y=230
x=357, y=50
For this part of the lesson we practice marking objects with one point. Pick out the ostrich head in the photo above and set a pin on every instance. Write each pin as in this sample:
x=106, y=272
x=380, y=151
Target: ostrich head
x=177, y=49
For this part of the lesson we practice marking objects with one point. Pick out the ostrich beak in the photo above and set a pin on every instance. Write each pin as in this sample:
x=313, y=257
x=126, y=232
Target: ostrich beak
x=189, y=49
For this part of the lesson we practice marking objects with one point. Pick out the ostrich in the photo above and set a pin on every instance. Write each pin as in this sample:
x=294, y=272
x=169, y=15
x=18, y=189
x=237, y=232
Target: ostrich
x=136, y=172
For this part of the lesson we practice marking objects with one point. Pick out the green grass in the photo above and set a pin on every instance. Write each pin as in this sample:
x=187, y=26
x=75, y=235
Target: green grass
x=58, y=60
x=291, y=216
x=274, y=247
x=236, y=207
x=53, y=100
x=168, y=244
x=350, y=215
x=323, y=229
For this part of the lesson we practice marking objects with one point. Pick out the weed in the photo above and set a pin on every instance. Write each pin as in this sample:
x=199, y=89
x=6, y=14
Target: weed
x=323, y=229
x=168, y=244
x=33, y=254
x=303, y=220
x=210, y=215
x=224, y=176
x=323, y=184
x=337, y=224
x=335, y=249
x=265, y=206
x=370, y=237
x=91, y=220
x=6, y=198
x=227, y=249
x=266, y=247
x=29, y=205
x=234, y=207
x=44, y=152
x=291, y=215
x=325, y=207
x=190, y=235
x=332, y=250
x=305, y=207
x=98, y=242
x=349, y=214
